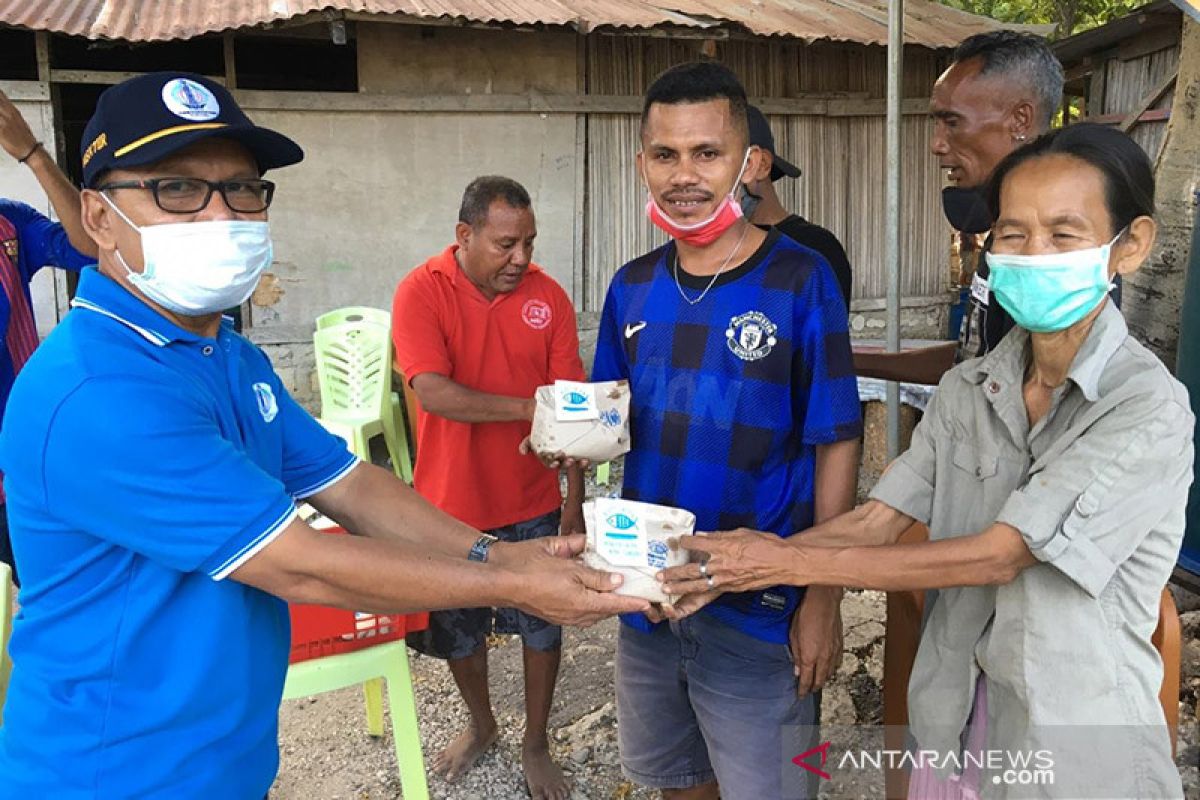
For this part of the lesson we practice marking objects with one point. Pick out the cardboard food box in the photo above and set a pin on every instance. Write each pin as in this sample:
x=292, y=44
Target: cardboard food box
x=631, y=538
x=581, y=420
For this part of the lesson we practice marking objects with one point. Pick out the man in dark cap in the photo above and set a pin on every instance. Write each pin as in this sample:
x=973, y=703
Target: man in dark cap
x=154, y=461
x=766, y=211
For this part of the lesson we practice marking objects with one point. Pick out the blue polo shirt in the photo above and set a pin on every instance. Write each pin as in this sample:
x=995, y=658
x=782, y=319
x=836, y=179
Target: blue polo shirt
x=144, y=464
x=731, y=396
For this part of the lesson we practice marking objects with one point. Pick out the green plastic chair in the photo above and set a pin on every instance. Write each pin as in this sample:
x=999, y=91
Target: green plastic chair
x=6, y=612
x=354, y=370
x=371, y=666
x=366, y=314
x=354, y=314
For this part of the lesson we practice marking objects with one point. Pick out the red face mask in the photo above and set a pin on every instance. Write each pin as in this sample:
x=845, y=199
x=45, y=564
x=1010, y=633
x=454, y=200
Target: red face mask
x=707, y=231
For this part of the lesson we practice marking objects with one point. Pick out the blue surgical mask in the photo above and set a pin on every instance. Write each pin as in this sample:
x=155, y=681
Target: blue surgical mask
x=1052, y=291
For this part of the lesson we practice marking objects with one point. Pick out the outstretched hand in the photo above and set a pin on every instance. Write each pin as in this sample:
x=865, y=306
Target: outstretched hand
x=737, y=561
x=562, y=590
x=559, y=460
x=15, y=135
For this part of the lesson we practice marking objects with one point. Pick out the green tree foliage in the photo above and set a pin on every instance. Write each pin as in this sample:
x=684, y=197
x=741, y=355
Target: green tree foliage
x=1068, y=16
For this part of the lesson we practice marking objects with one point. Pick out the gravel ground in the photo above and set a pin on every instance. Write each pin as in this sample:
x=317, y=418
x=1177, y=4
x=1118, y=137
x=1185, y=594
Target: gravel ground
x=326, y=752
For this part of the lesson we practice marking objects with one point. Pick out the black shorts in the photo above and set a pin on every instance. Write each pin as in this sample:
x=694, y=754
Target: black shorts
x=459, y=632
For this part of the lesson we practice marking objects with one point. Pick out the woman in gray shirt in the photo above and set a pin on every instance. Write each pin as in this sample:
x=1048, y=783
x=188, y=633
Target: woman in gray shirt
x=1053, y=475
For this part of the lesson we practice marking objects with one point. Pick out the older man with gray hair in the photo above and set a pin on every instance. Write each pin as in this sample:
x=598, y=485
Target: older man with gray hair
x=1002, y=89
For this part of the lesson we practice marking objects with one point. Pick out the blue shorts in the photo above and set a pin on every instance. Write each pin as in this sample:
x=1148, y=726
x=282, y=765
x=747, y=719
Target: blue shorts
x=699, y=700
x=459, y=632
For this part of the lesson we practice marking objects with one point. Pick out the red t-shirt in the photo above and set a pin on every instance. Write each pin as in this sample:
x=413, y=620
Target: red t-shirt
x=442, y=323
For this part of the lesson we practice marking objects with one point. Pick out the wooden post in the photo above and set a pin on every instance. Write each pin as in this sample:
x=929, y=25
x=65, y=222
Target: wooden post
x=1154, y=294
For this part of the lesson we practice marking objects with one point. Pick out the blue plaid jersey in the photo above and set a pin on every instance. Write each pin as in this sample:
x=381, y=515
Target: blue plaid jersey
x=730, y=397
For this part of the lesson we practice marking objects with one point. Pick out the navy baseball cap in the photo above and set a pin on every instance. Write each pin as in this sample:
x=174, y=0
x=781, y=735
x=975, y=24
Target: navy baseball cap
x=149, y=117
x=760, y=134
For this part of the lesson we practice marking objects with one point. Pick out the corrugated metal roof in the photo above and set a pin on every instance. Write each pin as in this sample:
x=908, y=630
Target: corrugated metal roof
x=864, y=21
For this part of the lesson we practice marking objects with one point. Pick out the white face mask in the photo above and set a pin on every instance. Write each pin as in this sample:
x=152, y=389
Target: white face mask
x=199, y=268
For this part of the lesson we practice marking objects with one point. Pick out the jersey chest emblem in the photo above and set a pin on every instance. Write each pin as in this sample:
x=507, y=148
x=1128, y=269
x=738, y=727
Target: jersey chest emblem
x=536, y=314
x=751, y=336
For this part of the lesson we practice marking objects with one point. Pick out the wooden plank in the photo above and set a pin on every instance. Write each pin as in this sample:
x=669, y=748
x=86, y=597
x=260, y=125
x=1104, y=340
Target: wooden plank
x=538, y=103
x=1153, y=115
x=42, y=44
x=1151, y=41
x=578, y=269
x=876, y=108
x=230, y=61
x=1150, y=99
x=31, y=91
x=103, y=78
x=1097, y=89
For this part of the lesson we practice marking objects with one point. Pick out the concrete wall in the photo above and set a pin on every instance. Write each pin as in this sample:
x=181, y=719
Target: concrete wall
x=379, y=190
x=428, y=60
x=17, y=183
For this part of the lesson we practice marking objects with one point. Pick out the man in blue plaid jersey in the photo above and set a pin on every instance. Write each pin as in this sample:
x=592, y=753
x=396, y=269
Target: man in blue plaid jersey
x=745, y=411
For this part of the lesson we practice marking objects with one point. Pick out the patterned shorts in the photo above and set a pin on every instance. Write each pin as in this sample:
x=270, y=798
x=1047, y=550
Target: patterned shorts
x=457, y=633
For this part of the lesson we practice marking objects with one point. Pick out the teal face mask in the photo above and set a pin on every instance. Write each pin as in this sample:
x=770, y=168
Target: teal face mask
x=1053, y=291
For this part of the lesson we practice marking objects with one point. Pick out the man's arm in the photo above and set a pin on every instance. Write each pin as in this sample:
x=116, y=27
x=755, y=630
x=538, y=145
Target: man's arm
x=301, y=565
x=395, y=513
x=572, y=511
x=19, y=142
x=447, y=398
x=990, y=558
x=745, y=560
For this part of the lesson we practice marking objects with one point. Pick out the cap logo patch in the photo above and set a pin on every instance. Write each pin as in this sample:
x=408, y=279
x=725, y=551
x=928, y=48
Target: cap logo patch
x=190, y=100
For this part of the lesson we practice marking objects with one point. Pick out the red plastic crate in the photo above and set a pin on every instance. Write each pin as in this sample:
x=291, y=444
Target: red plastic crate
x=319, y=631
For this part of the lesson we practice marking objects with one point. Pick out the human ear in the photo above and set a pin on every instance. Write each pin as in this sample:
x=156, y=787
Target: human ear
x=1133, y=247
x=462, y=235
x=97, y=219
x=1022, y=125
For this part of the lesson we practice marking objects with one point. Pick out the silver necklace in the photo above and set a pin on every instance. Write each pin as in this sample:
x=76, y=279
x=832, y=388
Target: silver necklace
x=712, y=282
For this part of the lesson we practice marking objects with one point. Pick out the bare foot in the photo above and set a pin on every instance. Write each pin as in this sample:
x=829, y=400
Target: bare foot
x=461, y=754
x=543, y=778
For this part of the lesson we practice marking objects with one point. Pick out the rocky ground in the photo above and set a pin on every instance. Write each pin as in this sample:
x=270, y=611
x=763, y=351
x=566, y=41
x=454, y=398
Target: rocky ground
x=326, y=752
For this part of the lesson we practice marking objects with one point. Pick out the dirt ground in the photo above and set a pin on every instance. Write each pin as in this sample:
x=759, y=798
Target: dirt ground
x=326, y=752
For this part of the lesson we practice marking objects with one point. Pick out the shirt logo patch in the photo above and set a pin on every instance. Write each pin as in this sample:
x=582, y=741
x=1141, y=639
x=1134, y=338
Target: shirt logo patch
x=267, y=406
x=751, y=336
x=633, y=327
x=190, y=100
x=536, y=314
x=11, y=247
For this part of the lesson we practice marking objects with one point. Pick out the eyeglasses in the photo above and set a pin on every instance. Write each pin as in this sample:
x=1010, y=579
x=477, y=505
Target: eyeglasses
x=192, y=195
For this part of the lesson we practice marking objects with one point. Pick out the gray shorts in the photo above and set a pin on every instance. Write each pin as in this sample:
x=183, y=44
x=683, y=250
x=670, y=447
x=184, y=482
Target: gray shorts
x=459, y=632
x=700, y=700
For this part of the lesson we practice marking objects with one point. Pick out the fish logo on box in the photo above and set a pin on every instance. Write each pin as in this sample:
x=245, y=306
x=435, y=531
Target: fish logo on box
x=621, y=522
x=574, y=401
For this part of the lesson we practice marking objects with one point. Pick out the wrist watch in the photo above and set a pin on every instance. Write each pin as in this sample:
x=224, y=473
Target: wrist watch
x=479, y=550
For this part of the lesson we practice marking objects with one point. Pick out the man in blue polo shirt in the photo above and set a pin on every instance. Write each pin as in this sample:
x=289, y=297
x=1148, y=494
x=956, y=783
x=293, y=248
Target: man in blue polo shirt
x=28, y=242
x=744, y=408
x=154, y=461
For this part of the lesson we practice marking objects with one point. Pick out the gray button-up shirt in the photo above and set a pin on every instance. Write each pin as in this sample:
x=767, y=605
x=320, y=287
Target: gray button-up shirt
x=1097, y=489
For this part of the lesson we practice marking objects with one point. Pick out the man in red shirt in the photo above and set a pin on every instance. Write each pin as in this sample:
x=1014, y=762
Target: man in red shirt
x=477, y=329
